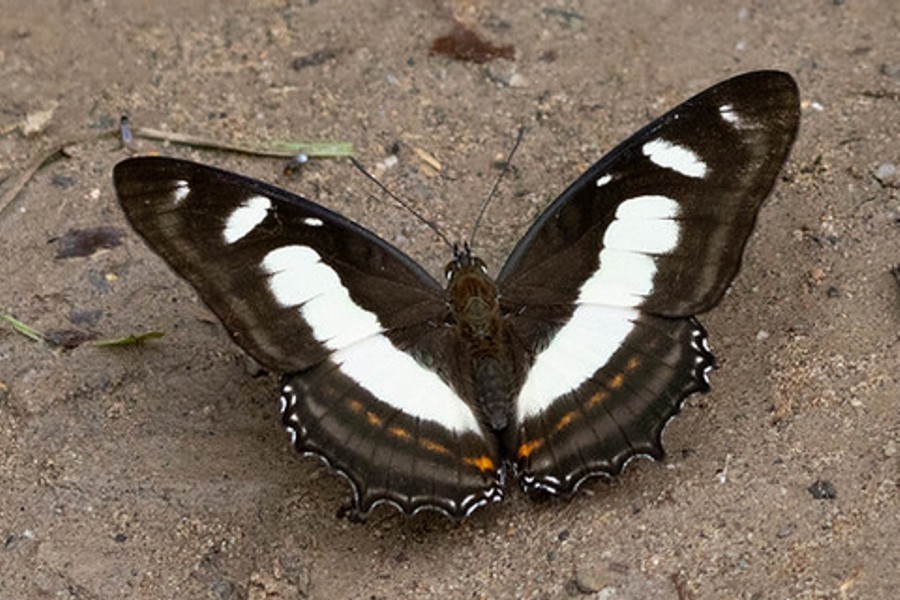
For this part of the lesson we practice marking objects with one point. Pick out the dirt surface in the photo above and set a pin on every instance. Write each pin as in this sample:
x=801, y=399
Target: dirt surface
x=161, y=471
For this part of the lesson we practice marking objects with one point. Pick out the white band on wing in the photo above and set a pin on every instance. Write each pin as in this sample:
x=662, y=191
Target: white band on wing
x=299, y=278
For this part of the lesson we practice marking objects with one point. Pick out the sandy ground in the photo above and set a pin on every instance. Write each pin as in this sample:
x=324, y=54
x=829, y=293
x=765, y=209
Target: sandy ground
x=161, y=471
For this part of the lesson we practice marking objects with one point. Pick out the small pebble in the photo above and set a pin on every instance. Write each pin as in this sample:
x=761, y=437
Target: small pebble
x=891, y=70
x=822, y=490
x=886, y=174
x=590, y=578
x=784, y=532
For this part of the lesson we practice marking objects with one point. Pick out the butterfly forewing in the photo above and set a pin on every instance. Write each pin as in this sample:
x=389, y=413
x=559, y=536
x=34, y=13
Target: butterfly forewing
x=240, y=242
x=660, y=222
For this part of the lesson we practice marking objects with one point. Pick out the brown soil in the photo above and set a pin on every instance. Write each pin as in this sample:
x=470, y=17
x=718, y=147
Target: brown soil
x=160, y=471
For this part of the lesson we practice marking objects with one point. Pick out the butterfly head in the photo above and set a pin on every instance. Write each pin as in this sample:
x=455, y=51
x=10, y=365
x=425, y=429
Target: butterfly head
x=463, y=262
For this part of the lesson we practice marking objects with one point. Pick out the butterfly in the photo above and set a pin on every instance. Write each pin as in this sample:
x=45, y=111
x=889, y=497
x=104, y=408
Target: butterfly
x=428, y=396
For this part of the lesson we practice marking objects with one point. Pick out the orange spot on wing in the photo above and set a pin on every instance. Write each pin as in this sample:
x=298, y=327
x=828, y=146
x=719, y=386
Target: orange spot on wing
x=617, y=381
x=633, y=363
x=527, y=448
x=400, y=433
x=433, y=446
x=374, y=420
x=355, y=405
x=565, y=420
x=482, y=463
x=598, y=397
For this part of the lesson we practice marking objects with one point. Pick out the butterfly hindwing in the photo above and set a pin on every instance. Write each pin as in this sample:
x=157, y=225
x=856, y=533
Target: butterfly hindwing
x=404, y=457
x=357, y=325
x=617, y=412
x=406, y=440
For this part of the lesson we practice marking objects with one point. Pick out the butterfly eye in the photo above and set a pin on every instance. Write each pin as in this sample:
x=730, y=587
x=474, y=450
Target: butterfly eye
x=450, y=270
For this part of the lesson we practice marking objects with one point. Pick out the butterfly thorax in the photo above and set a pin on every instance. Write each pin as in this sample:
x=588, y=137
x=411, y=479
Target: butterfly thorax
x=473, y=299
x=474, y=304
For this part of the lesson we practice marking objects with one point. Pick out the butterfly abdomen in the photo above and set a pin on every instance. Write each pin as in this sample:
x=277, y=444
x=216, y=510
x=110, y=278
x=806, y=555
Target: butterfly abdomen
x=492, y=385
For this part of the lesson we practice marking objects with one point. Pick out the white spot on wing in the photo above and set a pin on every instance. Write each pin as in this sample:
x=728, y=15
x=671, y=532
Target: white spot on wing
x=642, y=236
x=313, y=222
x=648, y=207
x=726, y=111
x=678, y=158
x=283, y=264
x=181, y=191
x=604, y=180
x=623, y=279
x=245, y=217
x=576, y=352
x=644, y=224
x=299, y=278
x=644, y=227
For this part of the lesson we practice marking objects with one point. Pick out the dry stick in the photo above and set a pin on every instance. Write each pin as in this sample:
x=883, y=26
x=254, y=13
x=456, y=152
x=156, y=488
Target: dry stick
x=277, y=149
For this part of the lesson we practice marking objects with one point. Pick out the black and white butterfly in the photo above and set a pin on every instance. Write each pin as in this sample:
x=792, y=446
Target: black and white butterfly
x=566, y=366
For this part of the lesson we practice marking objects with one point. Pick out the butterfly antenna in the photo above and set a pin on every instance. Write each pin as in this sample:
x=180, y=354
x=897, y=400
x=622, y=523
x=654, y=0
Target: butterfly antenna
x=503, y=172
x=402, y=203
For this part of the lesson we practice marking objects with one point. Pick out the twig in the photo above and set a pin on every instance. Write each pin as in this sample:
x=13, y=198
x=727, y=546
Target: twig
x=277, y=149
